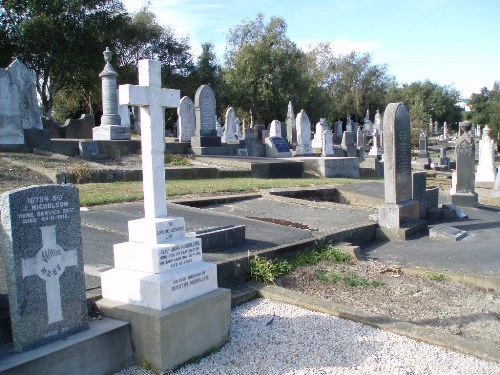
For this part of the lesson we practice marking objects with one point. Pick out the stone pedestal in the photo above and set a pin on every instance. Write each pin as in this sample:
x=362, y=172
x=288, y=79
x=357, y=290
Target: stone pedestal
x=111, y=132
x=396, y=215
x=469, y=199
x=167, y=338
x=205, y=141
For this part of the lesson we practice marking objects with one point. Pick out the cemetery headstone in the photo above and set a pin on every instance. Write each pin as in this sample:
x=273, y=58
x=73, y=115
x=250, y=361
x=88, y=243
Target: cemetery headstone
x=478, y=131
x=367, y=124
x=275, y=128
x=348, y=127
x=81, y=128
x=230, y=127
x=321, y=126
x=41, y=237
x=399, y=208
x=462, y=182
x=423, y=159
x=19, y=108
x=159, y=267
x=218, y=127
x=496, y=186
x=186, y=122
x=277, y=147
x=436, y=127
x=419, y=192
x=303, y=126
x=378, y=121
x=291, y=130
x=205, y=131
x=431, y=128
x=111, y=126
x=486, y=169
x=359, y=138
x=445, y=131
x=348, y=144
x=338, y=130
x=327, y=148
x=375, y=150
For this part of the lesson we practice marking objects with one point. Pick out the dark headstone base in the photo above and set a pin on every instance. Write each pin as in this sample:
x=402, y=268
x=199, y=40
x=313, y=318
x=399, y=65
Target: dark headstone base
x=402, y=234
x=104, y=348
x=205, y=141
x=285, y=169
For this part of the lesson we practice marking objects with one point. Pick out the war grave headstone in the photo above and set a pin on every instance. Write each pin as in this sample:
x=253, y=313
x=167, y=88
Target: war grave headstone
x=19, y=108
x=41, y=236
x=204, y=107
x=111, y=125
x=462, y=181
x=160, y=283
x=291, y=130
x=399, y=209
x=486, y=169
x=303, y=126
x=186, y=120
x=321, y=126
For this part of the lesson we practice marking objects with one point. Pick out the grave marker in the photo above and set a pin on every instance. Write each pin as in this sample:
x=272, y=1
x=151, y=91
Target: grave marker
x=462, y=180
x=41, y=236
x=486, y=169
x=204, y=107
x=303, y=135
x=186, y=122
x=291, y=130
x=230, y=127
x=399, y=208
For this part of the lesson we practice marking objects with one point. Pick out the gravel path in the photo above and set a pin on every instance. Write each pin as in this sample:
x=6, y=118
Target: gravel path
x=270, y=337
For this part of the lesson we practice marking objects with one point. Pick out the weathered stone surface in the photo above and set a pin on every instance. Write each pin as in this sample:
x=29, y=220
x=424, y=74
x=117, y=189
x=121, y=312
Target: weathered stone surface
x=275, y=128
x=41, y=237
x=486, y=170
x=447, y=232
x=230, y=127
x=187, y=120
x=291, y=130
x=419, y=192
x=81, y=128
x=19, y=108
x=303, y=134
x=204, y=106
x=399, y=208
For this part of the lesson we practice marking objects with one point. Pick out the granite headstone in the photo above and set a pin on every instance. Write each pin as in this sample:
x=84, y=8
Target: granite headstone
x=42, y=240
x=399, y=208
x=186, y=122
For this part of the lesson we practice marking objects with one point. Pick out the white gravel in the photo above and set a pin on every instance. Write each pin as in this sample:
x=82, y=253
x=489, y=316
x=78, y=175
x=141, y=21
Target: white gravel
x=270, y=337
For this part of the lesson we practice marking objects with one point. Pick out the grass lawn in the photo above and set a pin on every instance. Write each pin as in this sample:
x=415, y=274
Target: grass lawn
x=102, y=193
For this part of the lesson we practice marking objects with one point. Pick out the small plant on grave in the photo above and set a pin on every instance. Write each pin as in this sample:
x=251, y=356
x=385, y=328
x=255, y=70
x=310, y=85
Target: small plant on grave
x=146, y=364
x=177, y=160
x=82, y=172
x=265, y=270
x=435, y=276
x=323, y=251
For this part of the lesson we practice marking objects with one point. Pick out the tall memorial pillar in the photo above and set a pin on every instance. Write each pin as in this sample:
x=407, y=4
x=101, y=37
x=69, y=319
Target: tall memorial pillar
x=111, y=128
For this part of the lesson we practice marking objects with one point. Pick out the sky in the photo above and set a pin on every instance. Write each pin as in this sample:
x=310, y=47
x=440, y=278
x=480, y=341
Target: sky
x=449, y=42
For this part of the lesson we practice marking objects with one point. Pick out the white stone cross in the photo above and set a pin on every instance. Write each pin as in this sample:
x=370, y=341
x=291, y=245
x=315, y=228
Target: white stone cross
x=152, y=99
x=49, y=263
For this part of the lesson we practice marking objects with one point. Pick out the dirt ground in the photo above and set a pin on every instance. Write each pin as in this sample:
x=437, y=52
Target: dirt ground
x=445, y=306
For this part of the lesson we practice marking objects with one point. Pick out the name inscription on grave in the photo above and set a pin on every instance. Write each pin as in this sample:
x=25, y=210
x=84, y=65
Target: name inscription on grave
x=188, y=280
x=44, y=208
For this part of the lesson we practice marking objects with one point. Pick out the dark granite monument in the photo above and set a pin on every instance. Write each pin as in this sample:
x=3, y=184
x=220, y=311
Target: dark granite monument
x=42, y=247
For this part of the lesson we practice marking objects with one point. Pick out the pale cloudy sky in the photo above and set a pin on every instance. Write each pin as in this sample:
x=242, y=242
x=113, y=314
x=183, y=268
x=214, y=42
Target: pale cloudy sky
x=450, y=42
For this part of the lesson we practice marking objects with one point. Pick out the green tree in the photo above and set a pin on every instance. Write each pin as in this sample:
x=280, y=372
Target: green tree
x=61, y=41
x=142, y=37
x=351, y=82
x=208, y=71
x=264, y=69
x=430, y=100
x=485, y=108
